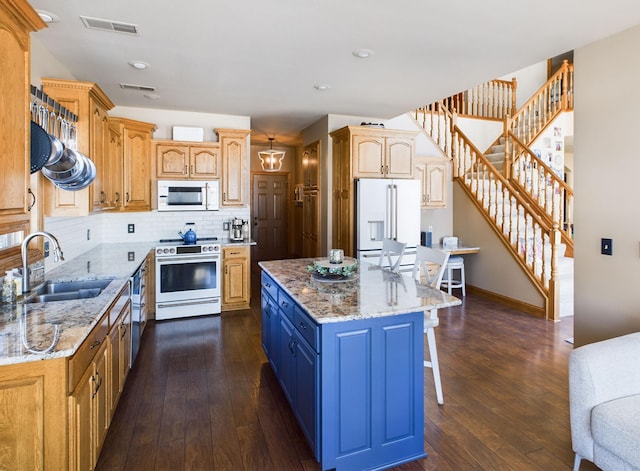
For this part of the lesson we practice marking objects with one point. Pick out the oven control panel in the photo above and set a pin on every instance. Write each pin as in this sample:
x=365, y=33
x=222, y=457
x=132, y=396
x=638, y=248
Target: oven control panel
x=188, y=249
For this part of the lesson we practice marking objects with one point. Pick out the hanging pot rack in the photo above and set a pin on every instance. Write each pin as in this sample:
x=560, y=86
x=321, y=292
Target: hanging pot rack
x=53, y=105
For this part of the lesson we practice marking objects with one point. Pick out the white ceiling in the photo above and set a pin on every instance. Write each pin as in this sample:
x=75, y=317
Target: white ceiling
x=262, y=58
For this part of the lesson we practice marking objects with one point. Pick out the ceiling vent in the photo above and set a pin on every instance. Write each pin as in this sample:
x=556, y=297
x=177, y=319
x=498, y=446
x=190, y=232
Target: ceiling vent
x=109, y=25
x=142, y=88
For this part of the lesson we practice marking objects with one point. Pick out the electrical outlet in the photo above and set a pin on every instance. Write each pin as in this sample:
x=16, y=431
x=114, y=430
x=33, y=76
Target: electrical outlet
x=225, y=226
x=131, y=228
x=131, y=256
x=606, y=246
x=46, y=248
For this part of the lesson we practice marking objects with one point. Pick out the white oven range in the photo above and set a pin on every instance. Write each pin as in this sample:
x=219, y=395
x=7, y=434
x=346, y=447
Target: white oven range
x=187, y=280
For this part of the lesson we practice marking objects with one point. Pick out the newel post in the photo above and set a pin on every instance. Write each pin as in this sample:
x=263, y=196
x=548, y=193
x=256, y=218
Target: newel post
x=565, y=85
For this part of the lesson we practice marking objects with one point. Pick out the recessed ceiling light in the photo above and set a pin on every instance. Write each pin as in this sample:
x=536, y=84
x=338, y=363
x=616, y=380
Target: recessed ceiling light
x=322, y=87
x=138, y=65
x=363, y=53
x=151, y=96
x=47, y=16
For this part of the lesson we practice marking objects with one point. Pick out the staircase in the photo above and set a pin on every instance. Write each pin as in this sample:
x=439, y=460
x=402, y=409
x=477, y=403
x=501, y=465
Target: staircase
x=526, y=203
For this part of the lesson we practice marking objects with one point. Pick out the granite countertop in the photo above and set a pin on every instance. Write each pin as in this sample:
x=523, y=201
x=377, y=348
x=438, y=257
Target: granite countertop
x=374, y=292
x=26, y=328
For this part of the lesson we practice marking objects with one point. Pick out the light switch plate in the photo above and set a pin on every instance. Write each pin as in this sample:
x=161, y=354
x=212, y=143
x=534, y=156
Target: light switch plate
x=606, y=246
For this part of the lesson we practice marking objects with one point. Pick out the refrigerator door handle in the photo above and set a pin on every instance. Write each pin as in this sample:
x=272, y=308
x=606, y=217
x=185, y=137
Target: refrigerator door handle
x=388, y=229
x=395, y=212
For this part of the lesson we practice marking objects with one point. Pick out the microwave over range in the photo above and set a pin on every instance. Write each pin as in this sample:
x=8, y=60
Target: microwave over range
x=188, y=195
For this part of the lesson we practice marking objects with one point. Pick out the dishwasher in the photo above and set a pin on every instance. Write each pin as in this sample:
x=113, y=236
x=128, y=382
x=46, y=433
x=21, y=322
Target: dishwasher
x=136, y=311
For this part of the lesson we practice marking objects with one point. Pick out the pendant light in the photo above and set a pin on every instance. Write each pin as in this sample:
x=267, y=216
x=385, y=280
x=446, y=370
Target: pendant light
x=271, y=160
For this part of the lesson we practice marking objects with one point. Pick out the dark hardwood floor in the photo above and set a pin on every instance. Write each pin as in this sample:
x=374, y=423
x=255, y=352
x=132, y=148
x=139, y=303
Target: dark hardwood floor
x=202, y=397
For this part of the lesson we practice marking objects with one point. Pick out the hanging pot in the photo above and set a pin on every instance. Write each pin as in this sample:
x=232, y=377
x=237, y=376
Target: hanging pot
x=40, y=147
x=82, y=181
x=67, y=169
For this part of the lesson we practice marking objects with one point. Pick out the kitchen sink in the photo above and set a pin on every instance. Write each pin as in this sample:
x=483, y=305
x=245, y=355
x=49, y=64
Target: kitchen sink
x=67, y=290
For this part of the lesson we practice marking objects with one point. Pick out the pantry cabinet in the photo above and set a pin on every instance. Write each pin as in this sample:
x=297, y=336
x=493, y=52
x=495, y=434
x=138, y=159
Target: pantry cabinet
x=131, y=168
x=233, y=147
x=91, y=105
x=178, y=160
x=17, y=21
x=235, y=278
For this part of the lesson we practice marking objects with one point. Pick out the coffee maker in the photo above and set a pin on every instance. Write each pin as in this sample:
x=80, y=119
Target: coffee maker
x=236, y=229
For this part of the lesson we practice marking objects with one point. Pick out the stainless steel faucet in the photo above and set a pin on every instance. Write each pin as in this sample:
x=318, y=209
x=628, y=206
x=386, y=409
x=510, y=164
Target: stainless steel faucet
x=57, y=255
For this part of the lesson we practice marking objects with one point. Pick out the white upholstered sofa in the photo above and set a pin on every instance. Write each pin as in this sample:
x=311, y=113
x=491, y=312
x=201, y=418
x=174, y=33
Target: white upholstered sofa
x=604, y=396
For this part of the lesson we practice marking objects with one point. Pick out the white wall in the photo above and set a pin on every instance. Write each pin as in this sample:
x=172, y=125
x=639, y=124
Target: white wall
x=606, y=175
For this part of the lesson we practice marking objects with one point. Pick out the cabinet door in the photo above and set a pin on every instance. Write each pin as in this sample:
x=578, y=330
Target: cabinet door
x=114, y=162
x=124, y=331
x=306, y=389
x=310, y=162
x=172, y=161
x=342, y=196
x=99, y=128
x=286, y=356
x=233, y=149
x=433, y=183
x=137, y=166
x=311, y=224
x=235, y=285
x=270, y=326
x=14, y=63
x=436, y=175
x=114, y=369
x=368, y=156
x=398, y=158
x=81, y=432
x=204, y=161
x=100, y=406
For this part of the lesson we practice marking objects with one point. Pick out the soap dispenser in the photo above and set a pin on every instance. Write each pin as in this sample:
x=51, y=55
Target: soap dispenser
x=8, y=289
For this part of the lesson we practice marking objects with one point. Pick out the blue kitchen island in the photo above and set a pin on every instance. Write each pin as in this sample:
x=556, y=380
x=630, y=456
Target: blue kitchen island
x=349, y=358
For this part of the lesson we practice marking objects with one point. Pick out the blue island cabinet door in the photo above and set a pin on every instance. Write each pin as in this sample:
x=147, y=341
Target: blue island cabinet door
x=372, y=403
x=270, y=326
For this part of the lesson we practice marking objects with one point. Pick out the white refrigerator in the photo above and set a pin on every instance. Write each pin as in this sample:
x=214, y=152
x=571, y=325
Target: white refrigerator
x=386, y=209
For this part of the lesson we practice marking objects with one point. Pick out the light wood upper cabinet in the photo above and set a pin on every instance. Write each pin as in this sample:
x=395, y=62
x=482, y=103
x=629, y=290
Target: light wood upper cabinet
x=433, y=178
x=17, y=21
x=381, y=153
x=178, y=160
x=132, y=169
x=91, y=105
x=233, y=146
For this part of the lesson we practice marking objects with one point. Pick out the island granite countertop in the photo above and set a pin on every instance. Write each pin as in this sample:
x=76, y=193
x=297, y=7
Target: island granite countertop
x=31, y=326
x=373, y=292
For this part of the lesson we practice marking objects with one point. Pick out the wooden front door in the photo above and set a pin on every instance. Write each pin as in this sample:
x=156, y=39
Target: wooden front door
x=269, y=216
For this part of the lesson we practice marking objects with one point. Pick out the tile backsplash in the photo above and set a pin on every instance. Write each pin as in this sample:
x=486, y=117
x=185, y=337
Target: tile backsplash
x=148, y=226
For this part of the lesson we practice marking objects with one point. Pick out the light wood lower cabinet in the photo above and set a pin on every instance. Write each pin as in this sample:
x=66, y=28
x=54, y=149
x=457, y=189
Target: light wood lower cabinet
x=235, y=278
x=95, y=396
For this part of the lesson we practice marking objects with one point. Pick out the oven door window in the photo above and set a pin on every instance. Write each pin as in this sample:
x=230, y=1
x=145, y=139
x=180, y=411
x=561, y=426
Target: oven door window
x=185, y=196
x=179, y=277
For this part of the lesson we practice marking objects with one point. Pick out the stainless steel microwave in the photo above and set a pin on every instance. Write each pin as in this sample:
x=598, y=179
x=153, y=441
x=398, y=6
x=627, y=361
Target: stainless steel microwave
x=188, y=195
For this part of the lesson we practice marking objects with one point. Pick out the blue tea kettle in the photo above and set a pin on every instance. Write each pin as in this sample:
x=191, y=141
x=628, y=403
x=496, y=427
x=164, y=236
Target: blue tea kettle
x=189, y=237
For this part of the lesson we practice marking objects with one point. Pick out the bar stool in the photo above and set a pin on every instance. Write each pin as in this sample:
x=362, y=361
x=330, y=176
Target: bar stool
x=455, y=263
x=429, y=266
